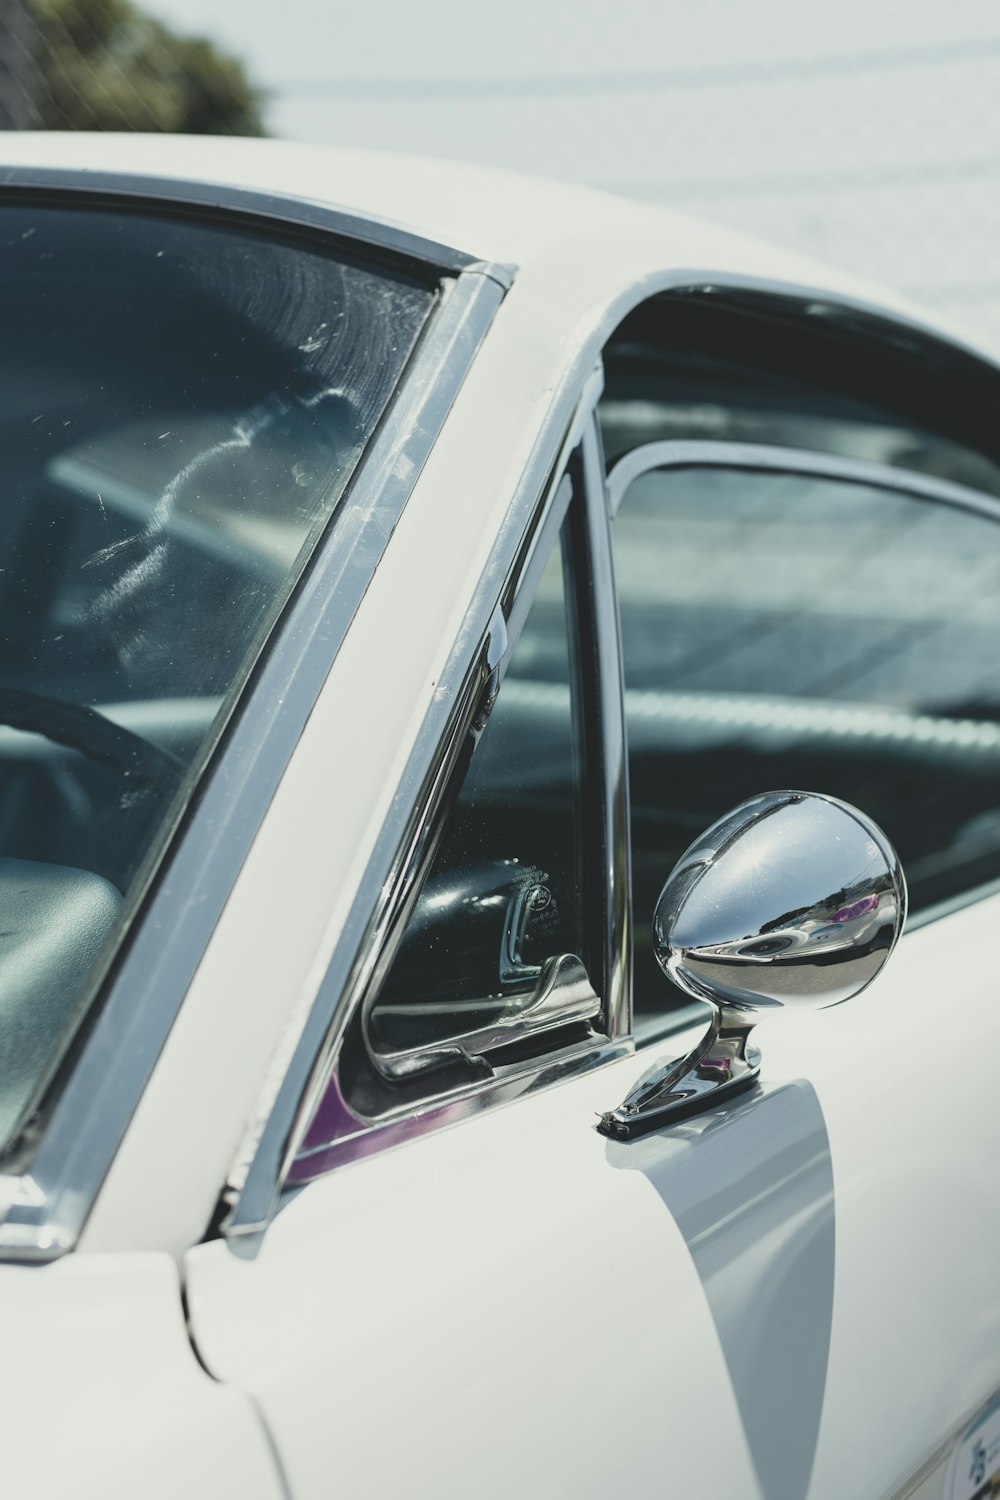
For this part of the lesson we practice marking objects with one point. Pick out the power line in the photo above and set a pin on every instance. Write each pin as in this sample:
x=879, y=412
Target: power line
x=451, y=89
x=800, y=184
x=948, y=292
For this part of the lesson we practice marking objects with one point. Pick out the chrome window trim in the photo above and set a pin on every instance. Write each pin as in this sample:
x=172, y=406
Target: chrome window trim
x=514, y=1082
x=616, y=852
x=768, y=458
x=46, y=1210
x=84, y=188
x=941, y=909
x=260, y=1171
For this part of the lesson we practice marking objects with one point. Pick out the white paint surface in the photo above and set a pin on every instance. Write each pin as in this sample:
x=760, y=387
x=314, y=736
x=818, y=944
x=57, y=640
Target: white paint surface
x=103, y=1398
x=489, y=1311
x=503, y=1267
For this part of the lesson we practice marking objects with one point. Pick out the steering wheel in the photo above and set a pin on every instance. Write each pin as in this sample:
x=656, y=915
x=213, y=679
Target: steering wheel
x=84, y=729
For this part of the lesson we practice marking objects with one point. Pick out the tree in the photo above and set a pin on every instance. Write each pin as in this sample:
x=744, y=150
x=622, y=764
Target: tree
x=106, y=65
x=17, y=66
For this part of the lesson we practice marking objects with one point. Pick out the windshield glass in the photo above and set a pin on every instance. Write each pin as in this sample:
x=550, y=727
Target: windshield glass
x=181, y=408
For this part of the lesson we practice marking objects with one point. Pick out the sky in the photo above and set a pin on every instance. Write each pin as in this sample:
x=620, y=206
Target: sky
x=864, y=132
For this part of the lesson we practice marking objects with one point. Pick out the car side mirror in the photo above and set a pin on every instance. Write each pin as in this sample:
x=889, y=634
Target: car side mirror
x=792, y=899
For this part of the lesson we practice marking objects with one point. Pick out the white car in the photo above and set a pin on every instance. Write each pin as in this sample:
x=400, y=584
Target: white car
x=403, y=566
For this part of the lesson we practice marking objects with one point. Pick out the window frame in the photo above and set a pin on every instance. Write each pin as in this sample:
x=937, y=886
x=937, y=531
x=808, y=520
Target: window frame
x=560, y=532
x=403, y=852
x=48, y=1188
x=683, y=453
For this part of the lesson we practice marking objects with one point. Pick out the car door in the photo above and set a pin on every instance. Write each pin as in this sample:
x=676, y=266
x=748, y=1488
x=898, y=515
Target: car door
x=434, y=1309
x=817, y=679
x=807, y=555
x=788, y=1294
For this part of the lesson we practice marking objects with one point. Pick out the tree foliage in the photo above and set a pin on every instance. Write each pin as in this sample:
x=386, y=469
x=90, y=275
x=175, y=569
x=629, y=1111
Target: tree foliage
x=106, y=65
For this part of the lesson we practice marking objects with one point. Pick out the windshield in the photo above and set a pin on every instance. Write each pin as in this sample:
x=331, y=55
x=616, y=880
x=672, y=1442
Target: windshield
x=181, y=408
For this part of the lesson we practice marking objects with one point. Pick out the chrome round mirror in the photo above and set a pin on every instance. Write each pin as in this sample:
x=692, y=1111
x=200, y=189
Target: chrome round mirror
x=791, y=899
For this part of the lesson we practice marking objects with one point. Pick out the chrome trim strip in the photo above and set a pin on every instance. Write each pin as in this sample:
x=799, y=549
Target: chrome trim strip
x=778, y=460
x=447, y=1109
x=952, y=904
x=54, y=183
x=616, y=859
x=267, y=1154
x=92, y=1113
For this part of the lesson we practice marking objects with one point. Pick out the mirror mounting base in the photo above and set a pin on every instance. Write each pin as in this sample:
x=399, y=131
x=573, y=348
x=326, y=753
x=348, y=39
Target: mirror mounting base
x=723, y=1063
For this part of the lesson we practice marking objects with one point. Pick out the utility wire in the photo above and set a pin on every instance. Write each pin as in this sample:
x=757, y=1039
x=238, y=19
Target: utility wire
x=948, y=292
x=451, y=88
x=801, y=184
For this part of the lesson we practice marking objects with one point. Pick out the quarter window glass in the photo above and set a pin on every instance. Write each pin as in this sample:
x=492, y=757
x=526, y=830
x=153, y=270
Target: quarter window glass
x=503, y=899
x=788, y=631
x=181, y=408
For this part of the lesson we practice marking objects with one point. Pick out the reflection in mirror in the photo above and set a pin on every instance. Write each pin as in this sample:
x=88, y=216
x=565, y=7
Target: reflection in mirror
x=792, y=899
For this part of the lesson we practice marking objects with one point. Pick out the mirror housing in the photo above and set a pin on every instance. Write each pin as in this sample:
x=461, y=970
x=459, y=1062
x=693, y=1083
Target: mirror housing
x=793, y=898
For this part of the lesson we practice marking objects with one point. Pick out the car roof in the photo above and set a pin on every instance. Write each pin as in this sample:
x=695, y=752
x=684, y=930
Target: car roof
x=587, y=242
x=488, y=213
x=491, y=214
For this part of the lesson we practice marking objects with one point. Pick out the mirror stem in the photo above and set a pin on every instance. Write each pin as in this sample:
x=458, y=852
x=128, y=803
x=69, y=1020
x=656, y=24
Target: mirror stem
x=724, y=1062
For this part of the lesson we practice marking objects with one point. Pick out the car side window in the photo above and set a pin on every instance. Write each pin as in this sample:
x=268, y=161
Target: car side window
x=799, y=630
x=497, y=930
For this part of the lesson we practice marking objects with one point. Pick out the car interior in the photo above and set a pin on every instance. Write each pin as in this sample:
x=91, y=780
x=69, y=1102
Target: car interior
x=788, y=630
x=181, y=407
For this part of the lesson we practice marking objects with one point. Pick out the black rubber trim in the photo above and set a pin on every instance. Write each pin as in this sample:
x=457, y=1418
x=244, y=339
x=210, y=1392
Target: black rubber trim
x=82, y=187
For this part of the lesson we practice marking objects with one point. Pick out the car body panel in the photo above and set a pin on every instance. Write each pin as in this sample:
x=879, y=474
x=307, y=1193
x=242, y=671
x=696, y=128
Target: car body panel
x=764, y=1299
x=784, y=1248
x=104, y=1398
x=789, y=1236
x=511, y=1342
